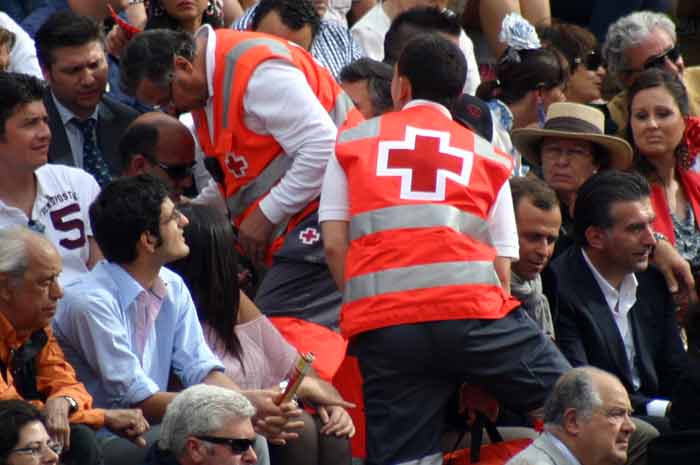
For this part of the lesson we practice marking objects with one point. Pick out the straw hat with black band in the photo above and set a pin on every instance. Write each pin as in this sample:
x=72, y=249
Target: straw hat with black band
x=570, y=120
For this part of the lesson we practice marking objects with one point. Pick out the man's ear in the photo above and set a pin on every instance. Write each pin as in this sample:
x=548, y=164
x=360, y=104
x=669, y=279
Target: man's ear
x=405, y=90
x=147, y=242
x=195, y=450
x=46, y=72
x=137, y=165
x=595, y=237
x=572, y=423
x=183, y=64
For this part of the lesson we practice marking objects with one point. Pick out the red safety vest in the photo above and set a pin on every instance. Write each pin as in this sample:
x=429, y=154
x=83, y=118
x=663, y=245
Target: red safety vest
x=253, y=163
x=420, y=191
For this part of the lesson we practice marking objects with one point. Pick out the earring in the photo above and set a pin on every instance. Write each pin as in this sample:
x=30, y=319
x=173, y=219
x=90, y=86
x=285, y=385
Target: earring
x=541, y=114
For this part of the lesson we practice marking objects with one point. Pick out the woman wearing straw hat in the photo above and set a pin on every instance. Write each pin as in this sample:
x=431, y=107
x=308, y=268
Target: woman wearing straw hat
x=570, y=148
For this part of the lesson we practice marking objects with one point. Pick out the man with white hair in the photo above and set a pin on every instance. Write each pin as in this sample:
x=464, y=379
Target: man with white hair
x=639, y=41
x=206, y=425
x=588, y=421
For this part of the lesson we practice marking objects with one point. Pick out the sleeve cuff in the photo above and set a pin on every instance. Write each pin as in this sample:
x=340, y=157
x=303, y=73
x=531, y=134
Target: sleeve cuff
x=657, y=408
x=140, y=391
x=507, y=251
x=271, y=210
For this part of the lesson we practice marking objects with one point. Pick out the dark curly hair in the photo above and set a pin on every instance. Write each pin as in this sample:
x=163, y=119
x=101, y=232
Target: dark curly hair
x=17, y=90
x=126, y=208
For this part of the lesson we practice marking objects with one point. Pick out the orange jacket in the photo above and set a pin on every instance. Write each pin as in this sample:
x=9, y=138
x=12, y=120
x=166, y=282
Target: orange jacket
x=252, y=163
x=420, y=191
x=55, y=376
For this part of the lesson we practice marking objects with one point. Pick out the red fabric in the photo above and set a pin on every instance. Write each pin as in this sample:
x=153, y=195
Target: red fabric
x=420, y=141
x=348, y=382
x=327, y=346
x=690, y=182
x=491, y=454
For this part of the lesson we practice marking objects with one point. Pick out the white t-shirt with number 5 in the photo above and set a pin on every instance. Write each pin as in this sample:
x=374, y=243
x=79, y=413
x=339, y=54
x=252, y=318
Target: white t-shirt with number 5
x=61, y=213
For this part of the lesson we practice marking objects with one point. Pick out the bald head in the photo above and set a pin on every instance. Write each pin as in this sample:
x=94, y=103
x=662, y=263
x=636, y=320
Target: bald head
x=159, y=144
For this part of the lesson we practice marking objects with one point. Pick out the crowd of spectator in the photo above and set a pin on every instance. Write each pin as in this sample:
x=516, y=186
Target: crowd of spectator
x=487, y=209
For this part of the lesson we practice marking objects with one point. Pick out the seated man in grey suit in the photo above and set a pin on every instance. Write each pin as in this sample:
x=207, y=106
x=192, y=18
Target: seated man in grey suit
x=615, y=312
x=587, y=421
x=86, y=125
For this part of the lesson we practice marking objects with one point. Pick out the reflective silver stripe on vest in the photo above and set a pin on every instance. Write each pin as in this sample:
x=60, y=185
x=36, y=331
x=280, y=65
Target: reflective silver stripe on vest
x=341, y=108
x=364, y=130
x=484, y=148
x=420, y=277
x=258, y=187
x=420, y=216
x=232, y=60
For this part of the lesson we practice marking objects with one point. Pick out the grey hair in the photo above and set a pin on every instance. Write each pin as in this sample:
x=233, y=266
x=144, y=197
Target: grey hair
x=574, y=390
x=14, y=257
x=200, y=409
x=630, y=31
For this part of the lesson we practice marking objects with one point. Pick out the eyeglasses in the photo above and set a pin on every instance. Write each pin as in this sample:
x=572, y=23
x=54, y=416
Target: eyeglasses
x=37, y=451
x=180, y=171
x=592, y=60
x=659, y=61
x=238, y=445
x=174, y=216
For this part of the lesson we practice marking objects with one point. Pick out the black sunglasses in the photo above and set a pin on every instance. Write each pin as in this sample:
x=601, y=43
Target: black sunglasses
x=659, y=61
x=177, y=171
x=592, y=60
x=238, y=445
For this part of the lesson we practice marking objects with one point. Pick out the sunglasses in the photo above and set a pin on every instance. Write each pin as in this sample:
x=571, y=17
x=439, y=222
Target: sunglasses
x=238, y=445
x=659, y=61
x=177, y=171
x=592, y=60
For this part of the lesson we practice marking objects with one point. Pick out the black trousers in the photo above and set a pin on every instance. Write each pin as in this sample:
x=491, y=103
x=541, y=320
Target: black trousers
x=411, y=371
x=83, y=447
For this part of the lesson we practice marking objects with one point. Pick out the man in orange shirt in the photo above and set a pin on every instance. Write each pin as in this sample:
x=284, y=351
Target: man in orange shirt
x=32, y=364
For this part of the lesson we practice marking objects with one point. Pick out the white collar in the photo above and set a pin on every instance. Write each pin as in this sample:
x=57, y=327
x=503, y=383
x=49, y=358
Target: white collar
x=67, y=115
x=628, y=288
x=429, y=103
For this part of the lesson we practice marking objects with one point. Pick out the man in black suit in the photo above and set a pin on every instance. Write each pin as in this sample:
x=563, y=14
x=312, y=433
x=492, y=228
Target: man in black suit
x=86, y=125
x=615, y=312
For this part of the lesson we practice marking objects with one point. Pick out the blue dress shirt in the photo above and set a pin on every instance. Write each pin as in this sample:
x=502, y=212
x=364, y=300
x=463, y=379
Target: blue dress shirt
x=96, y=329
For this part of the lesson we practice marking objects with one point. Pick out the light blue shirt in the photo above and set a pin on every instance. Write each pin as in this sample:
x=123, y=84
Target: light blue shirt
x=96, y=329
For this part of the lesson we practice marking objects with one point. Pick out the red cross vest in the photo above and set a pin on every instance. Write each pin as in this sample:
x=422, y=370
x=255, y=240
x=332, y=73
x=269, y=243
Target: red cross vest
x=420, y=189
x=253, y=163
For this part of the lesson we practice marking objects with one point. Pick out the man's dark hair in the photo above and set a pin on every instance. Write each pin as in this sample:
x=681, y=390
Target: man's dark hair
x=139, y=138
x=126, y=208
x=17, y=90
x=435, y=67
x=295, y=14
x=14, y=415
x=596, y=196
x=540, y=194
x=150, y=56
x=65, y=29
x=413, y=22
x=378, y=76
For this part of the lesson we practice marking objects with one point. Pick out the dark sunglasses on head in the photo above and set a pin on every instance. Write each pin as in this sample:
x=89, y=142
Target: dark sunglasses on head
x=177, y=171
x=592, y=60
x=238, y=445
x=659, y=61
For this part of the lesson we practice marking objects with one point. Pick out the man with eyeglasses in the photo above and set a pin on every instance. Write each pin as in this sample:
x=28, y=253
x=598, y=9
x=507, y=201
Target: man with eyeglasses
x=206, y=425
x=639, y=41
x=587, y=420
x=50, y=199
x=158, y=144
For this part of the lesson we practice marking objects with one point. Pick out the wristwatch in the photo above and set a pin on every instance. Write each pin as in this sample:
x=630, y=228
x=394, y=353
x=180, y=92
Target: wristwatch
x=73, y=405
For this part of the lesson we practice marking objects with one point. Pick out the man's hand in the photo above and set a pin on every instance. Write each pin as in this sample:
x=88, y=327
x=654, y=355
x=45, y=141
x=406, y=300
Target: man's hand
x=676, y=271
x=116, y=41
x=129, y=423
x=336, y=420
x=56, y=412
x=255, y=234
x=276, y=422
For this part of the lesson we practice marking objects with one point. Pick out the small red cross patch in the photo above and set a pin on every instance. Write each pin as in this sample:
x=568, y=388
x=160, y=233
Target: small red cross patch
x=237, y=165
x=424, y=160
x=309, y=236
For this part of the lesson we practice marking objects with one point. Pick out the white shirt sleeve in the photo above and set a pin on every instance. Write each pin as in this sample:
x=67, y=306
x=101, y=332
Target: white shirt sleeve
x=211, y=195
x=473, y=78
x=334, y=205
x=278, y=101
x=23, y=55
x=657, y=408
x=502, y=225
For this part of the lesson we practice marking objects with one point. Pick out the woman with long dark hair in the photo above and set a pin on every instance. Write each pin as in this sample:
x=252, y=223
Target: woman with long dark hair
x=254, y=353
